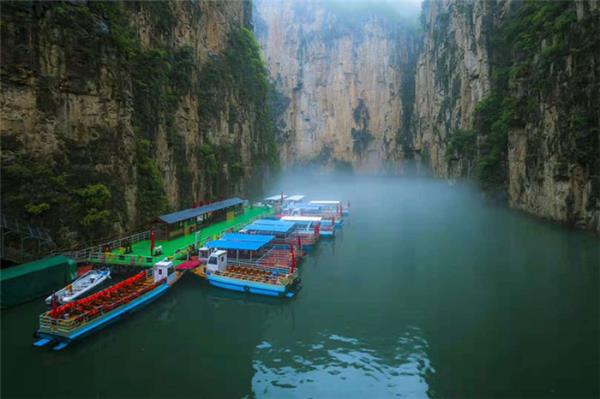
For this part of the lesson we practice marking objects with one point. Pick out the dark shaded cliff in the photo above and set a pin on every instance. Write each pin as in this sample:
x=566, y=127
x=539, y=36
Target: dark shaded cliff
x=114, y=112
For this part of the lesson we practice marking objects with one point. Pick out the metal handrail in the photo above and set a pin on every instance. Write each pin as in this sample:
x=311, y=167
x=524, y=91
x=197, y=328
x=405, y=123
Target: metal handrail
x=96, y=252
x=83, y=254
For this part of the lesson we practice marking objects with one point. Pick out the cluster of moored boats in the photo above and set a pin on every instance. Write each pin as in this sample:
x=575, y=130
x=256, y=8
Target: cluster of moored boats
x=261, y=258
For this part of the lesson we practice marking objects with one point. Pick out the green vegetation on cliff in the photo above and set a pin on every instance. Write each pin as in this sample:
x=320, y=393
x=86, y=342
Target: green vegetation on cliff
x=539, y=54
x=238, y=73
x=84, y=189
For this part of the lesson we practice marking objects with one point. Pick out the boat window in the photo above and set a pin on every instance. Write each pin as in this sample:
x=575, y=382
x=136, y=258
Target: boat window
x=159, y=271
x=213, y=260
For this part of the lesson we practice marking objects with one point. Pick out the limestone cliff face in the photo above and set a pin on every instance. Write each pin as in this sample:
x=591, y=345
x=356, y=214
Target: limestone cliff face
x=123, y=96
x=342, y=75
x=452, y=76
x=507, y=92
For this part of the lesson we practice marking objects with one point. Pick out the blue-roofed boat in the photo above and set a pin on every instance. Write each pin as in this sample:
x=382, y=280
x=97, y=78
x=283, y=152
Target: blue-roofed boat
x=261, y=277
x=283, y=231
x=307, y=229
x=325, y=209
x=78, y=319
x=333, y=207
x=251, y=263
x=327, y=229
x=242, y=247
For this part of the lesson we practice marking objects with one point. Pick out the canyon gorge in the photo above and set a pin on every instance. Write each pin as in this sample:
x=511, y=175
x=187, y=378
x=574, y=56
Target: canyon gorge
x=112, y=113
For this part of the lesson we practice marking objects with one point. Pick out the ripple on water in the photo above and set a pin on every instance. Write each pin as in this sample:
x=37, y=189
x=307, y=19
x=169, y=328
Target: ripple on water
x=343, y=366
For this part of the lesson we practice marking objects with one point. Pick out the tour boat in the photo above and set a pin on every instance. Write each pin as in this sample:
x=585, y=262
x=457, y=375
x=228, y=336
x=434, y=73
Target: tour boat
x=283, y=232
x=333, y=206
x=275, y=280
x=307, y=229
x=324, y=209
x=77, y=288
x=77, y=319
x=327, y=229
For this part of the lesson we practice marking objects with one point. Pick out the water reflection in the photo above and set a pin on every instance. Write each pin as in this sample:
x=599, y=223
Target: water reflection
x=343, y=366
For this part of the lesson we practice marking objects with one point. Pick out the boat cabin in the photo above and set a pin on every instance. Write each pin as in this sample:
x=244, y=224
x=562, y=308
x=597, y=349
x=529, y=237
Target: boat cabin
x=330, y=207
x=217, y=261
x=279, y=229
x=304, y=224
x=163, y=269
x=204, y=253
x=242, y=246
x=275, y=199
x=302, y=210
x=293, y=199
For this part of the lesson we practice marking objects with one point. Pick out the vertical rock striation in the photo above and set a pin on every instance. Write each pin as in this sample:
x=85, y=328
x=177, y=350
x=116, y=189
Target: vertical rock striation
x=113, y=112
x=507, y=92
x=343, y=73
x=452, y=76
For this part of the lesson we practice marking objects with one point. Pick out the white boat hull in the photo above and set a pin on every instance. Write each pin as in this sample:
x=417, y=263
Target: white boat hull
x=79, y=287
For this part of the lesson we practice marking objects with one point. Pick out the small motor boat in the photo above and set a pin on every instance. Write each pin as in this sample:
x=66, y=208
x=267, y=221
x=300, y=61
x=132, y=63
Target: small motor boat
x=77, y=288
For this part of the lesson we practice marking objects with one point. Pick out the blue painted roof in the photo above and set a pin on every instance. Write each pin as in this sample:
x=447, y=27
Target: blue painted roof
x=271, y=222
x=236, y=245
x=305, y=206
x=281, y=227
x=193, y=212
x=265, y=239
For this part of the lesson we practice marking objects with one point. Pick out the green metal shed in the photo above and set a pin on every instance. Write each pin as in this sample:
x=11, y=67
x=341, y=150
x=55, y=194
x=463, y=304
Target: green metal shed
x=35, y=279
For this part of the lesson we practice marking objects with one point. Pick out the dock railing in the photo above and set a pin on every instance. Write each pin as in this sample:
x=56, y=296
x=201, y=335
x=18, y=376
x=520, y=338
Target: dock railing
x=93, y=251
x=97, y=254
x=119, y=259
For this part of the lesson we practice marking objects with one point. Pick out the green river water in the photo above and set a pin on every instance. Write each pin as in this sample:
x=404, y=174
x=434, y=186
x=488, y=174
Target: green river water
x=427, y=292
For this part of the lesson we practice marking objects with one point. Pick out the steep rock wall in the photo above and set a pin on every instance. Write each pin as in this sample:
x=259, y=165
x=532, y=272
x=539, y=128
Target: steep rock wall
x=112, y=113
x=452, y=76
x=342, y=75
x=507, y=93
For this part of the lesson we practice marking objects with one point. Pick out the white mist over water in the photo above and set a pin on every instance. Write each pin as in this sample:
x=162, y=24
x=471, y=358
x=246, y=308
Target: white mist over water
x=428, y=290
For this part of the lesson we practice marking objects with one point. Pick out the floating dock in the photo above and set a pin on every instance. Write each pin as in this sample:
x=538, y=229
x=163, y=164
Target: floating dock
x=249, y=251
x=136, y=251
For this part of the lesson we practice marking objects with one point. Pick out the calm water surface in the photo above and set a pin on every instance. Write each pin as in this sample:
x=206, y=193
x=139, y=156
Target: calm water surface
x=427, y=292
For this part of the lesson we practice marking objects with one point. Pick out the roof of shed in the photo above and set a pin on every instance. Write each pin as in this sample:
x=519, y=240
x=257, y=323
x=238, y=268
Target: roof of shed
x=201, y=210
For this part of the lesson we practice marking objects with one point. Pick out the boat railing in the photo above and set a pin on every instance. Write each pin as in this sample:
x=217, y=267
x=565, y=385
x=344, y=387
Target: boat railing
x=258, y=265
x=59, y=325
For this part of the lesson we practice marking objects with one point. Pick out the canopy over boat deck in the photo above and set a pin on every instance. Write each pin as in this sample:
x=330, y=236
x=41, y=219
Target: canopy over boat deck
x=186, y=221
x=294, y=198
x=319, y=202
x=242, y=245
x=300, y=219
x=275, y=199
x=302, y=209
x=268, y=226
x=331, y=206
x=241, y=242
